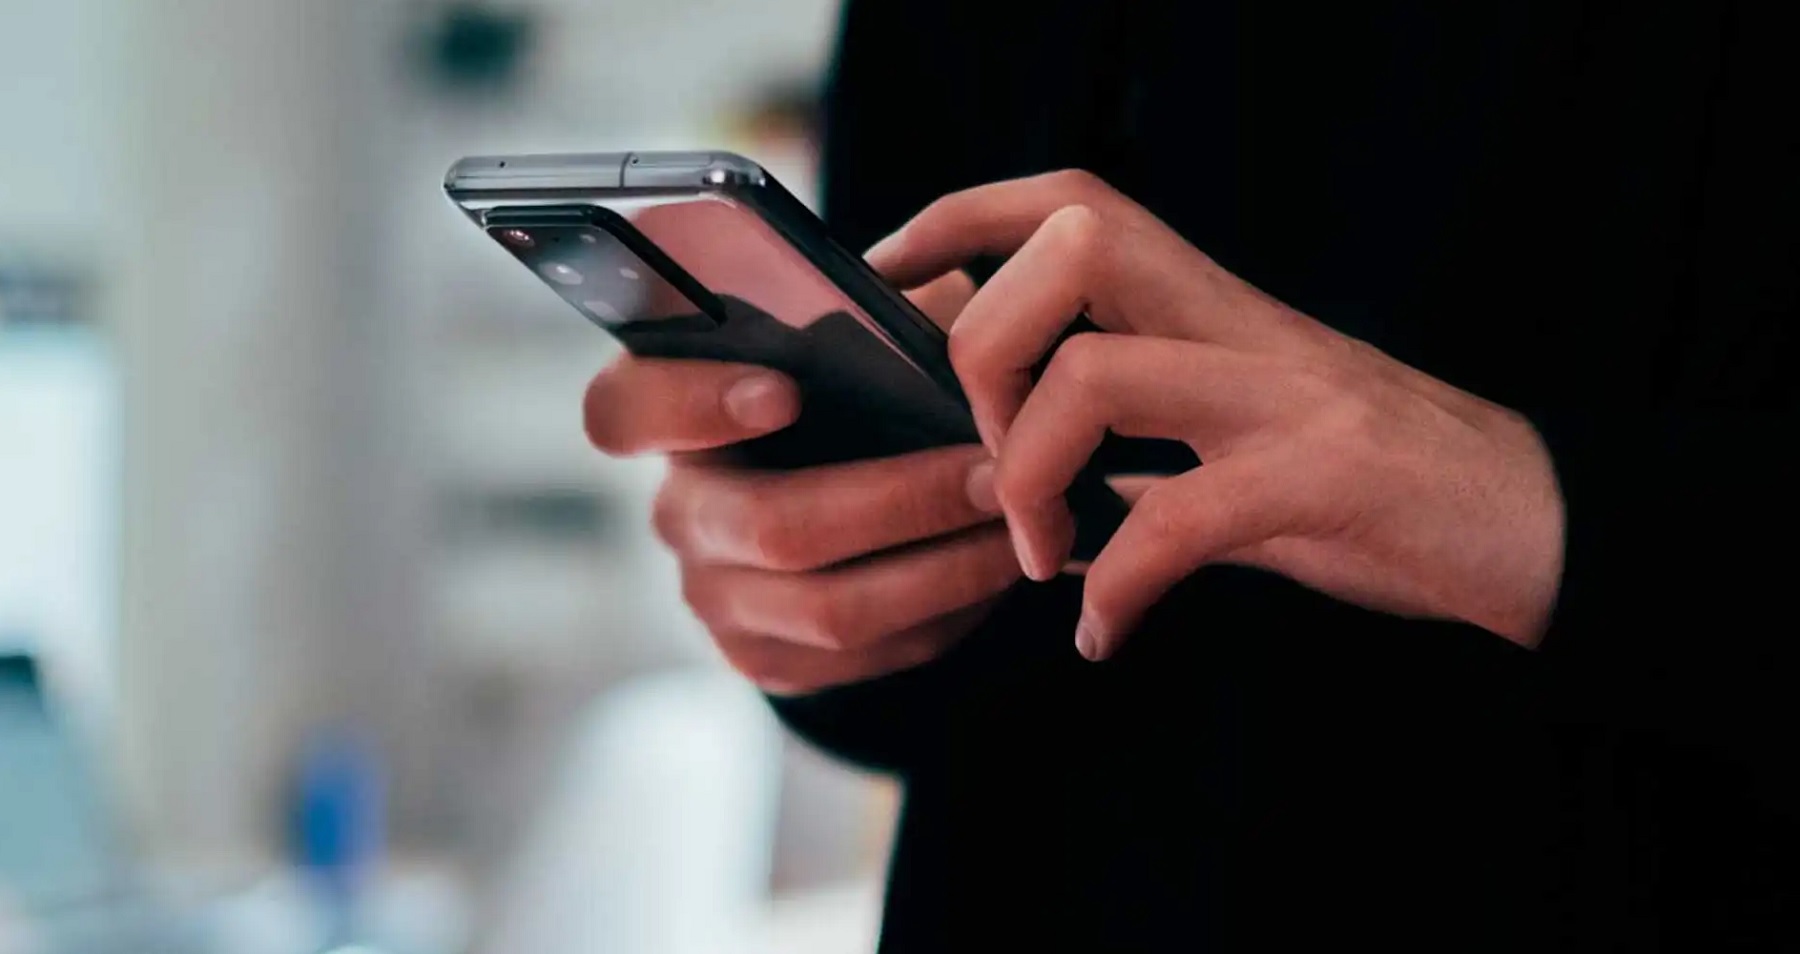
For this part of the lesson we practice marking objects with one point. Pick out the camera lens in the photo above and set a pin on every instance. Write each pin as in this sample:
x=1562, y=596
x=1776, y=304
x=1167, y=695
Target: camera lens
x=602, y=310
x=517, y=238
x=560, y=273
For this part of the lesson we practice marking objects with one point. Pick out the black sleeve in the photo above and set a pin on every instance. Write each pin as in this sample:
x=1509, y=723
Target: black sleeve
x=1676, y=609
x=1675, y=614
x=877, y=99
x=907, y=115
x=899, y=721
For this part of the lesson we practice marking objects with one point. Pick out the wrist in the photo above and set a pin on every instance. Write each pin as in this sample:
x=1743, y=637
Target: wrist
x=1538, y=545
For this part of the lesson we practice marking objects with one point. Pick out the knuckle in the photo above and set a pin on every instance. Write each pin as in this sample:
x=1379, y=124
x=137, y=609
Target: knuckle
x=926, y=227
x=700, y=591
x=668, y=509
x=1079, y=182
x=1161, y=516
x=756, y=523
x=1077, y=236
x=771, y=542
x=1079, y=229
x=739, y=519
x=1345, y=415
x=1078, y=361
x=1335, y=379
x=1333, y=387
x=825, y=615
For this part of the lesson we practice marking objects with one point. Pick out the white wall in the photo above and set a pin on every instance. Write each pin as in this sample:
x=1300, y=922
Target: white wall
x=59, y=182
x=58, y=155
x=233, y=320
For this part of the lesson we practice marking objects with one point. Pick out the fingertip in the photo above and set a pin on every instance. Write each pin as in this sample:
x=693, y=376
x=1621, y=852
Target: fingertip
x=883, y=255
x=1113, y=601
x=1023, y=551
x=1046, y=538
x=1091, y=639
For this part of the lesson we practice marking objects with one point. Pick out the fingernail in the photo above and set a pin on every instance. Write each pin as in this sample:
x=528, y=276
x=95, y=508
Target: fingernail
x=762, y=402
x=779, y=687
x=884, y=248
x=1087, y=638
x=1023, y=549
x=981, y=488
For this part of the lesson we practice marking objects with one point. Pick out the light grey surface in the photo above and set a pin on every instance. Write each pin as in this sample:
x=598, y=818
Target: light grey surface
x=312, y=347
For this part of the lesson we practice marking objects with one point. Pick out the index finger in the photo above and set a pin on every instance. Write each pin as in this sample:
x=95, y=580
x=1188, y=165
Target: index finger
x=994, y=219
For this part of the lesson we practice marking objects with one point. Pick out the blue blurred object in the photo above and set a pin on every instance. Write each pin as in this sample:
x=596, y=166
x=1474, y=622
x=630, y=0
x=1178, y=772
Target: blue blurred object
x=339, y=823
x=56, y=839
x=62, y=862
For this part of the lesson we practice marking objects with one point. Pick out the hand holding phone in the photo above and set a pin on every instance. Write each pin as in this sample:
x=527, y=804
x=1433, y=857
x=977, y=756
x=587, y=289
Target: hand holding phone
x=817, y=576
x=829, y=497
x=705, y=256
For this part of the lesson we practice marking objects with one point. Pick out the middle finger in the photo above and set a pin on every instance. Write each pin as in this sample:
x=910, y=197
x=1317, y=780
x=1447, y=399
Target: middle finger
x=818, y=516
x=854, y=605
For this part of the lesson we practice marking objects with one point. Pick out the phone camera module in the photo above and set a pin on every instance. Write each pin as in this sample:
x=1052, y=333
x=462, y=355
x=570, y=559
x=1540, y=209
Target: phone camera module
x=517, y=238
x=561, y=273
x=603, y=310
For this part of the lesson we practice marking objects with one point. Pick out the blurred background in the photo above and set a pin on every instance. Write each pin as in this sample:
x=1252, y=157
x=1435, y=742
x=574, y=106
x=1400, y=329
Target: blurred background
x=321, y=628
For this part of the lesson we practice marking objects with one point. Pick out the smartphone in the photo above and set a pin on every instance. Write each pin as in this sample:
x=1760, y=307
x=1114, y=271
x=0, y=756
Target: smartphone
x=703, y=255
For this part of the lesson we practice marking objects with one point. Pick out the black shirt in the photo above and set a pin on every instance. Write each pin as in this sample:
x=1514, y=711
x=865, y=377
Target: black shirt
x=1583, y=211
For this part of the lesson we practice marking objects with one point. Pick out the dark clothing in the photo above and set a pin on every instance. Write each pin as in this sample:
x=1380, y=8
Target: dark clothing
x=1583, y=211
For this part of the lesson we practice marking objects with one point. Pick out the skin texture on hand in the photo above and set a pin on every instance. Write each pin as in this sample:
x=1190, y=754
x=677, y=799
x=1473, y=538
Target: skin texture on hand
x=817, y=577
x=1325, y=460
